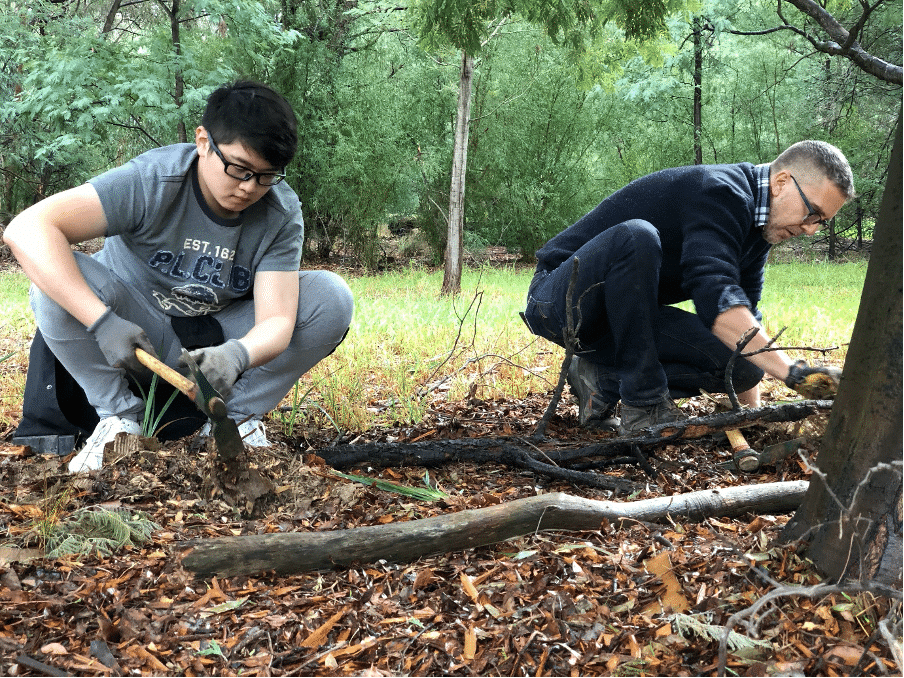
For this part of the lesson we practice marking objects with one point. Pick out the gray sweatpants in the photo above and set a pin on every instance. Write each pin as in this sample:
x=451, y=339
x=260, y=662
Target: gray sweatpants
x=325, y=307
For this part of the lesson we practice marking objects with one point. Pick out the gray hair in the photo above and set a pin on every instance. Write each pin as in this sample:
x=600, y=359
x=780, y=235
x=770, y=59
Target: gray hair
x=821, y=158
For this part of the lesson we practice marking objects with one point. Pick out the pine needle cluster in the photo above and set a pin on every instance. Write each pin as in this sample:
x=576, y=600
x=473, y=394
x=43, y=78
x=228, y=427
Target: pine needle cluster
x=687, y=624
x=94, y=529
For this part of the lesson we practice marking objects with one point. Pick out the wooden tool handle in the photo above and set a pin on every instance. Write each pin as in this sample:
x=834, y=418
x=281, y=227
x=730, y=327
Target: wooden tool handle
x=736, y=438
x=744, y=457
x=167, y=373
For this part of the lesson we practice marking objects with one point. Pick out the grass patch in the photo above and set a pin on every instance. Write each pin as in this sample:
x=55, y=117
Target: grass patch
x=18, y=327
x=409, y=347
x=818, y=303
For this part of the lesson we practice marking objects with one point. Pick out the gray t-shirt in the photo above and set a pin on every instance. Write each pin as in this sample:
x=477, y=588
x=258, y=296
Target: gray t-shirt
x=163, y=238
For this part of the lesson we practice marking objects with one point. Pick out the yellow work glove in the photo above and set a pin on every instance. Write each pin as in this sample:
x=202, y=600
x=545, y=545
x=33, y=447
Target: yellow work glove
x=815, y=383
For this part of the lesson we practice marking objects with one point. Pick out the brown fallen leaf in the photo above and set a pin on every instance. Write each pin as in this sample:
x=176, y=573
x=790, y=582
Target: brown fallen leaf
x=469, y=587
x=318, y=636
x=846, y=654
x=11, y=554
x=470, y=649
x=54, y=649
x=672, y=598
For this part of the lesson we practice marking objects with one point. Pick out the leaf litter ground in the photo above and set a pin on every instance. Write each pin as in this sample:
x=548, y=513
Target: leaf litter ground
x=641, y=600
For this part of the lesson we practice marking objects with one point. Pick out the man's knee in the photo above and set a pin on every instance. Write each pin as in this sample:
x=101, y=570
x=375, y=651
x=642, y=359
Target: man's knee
x=335, y=303
x=641, y=235
x=745, y=375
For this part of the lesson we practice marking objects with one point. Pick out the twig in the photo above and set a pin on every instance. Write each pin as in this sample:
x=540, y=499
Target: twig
x=40, y=667
x=571, y=333
x=643, y=462
x=768, y=348
x=893, y=638
x=816, y=591
x=423, y=391
x=600, y=480
x=749, y=615
x=729, y=368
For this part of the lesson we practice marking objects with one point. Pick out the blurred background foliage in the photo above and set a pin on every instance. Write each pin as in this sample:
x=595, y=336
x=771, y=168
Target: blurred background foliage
x=555, y=125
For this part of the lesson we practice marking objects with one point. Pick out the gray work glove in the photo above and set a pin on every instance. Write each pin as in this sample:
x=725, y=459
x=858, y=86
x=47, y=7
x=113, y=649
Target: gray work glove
x=118, y=338
x=222, y=364
x=815, y=383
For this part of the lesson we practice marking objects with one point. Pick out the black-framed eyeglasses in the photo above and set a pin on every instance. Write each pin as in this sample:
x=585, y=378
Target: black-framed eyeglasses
x=243, y=173
x=810, y=211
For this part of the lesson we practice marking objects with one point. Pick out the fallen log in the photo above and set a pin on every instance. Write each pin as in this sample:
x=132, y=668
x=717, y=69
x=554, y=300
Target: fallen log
x=508, y=450
x=402, y=542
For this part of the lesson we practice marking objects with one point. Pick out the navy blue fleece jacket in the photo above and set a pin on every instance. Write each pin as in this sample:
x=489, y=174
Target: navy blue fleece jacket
x=712, y=252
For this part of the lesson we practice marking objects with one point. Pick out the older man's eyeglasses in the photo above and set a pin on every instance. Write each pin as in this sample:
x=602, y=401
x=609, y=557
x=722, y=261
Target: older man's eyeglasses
x=813, y=216
x=243, y=173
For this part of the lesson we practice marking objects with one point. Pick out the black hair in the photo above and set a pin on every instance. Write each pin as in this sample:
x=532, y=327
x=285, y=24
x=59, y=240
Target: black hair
x=255, y=115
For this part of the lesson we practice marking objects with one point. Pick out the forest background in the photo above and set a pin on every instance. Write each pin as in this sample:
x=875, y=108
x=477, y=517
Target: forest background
x=560, y=116
x=565, y=108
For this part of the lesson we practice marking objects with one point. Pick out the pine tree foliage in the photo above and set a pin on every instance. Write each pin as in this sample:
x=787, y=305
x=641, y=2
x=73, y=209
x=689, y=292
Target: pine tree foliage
x=686, y=625
x=94, y=529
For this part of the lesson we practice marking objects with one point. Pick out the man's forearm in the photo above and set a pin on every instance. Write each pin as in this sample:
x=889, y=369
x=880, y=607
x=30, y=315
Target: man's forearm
x=732, y=324
x=268, y=339
x=47, y=259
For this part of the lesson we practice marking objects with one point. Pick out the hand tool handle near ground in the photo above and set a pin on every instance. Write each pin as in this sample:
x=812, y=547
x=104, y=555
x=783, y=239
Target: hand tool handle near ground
x=167, y=373
x=744, y=457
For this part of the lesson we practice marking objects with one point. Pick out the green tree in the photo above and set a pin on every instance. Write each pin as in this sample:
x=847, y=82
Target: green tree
x=349, y=78
x=468, y=27
x=538, y=144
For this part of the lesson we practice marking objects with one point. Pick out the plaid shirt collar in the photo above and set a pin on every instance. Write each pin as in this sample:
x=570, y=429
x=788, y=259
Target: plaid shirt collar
x=761, y=211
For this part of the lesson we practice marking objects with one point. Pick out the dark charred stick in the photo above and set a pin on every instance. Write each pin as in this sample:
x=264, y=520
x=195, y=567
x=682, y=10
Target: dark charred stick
x=571, y=338
x=511, y=451
x=642, y=461
x=598, y=480
x=697, y=427
x=40, y=667
x=729, y=368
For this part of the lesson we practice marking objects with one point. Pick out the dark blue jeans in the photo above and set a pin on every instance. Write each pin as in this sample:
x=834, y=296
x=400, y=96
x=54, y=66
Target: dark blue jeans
x=644, y=350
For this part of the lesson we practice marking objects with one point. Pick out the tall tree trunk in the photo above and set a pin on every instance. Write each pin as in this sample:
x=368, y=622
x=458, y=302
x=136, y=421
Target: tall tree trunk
x=179, y=90
x=698, y=91
x=111, y=16
x=453, y=257
x=863, y=438
x=833, y=241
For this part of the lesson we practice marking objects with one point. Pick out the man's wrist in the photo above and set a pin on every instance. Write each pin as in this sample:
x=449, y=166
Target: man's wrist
x=103, y=317
x=796, y=373
x=242, y=353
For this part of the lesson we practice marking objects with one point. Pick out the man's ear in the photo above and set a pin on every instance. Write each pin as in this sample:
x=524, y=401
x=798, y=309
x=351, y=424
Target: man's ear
x=777, y=181
x=201, y=139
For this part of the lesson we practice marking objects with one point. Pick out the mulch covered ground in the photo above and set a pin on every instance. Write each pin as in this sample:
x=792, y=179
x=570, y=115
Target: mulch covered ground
x=641, y=600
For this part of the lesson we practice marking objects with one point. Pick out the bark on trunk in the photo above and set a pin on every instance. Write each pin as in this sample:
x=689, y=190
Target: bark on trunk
x=407, y=541
x=111, y=16
x=698, y=91
x=179, y=90
x=453, y=256
x=863, y=437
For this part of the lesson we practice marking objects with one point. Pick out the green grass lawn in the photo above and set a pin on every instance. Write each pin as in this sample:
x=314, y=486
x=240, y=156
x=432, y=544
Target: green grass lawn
x=408, y=346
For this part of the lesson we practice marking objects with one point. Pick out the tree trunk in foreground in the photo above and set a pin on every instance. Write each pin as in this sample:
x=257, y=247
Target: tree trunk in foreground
x=407, y=541
x=863, y=437
x=454, y=241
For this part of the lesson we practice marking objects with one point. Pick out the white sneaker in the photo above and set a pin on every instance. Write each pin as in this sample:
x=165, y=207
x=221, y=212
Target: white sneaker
x=252, y=432
x=91, y=456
